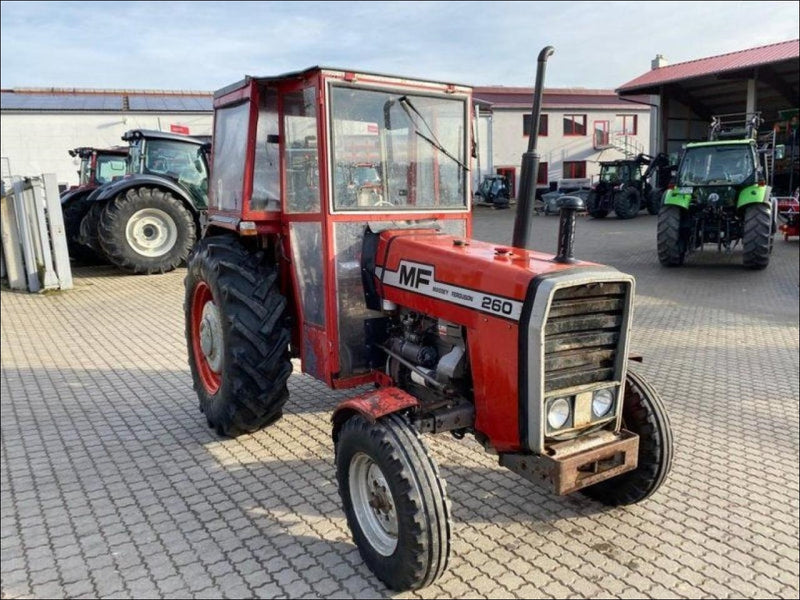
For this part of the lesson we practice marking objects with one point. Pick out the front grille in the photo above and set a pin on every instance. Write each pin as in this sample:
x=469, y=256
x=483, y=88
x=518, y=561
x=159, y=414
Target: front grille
x=582, y=334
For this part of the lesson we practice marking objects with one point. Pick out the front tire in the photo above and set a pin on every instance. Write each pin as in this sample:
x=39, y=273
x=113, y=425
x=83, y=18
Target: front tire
x=654, y=201
x=627, y=203
x=757, y=236
x=592, y=202
x=394, y=500
x=670, y=240
x=236, y=336
x=146, y=230
x=643, y=413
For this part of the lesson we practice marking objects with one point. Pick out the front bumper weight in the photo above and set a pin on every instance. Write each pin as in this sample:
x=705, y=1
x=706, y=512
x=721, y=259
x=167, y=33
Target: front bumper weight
x=567, y=472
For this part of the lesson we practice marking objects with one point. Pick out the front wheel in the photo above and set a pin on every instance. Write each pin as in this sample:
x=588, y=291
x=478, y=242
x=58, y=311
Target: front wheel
x=757, y=236
x=643, y=413
x=394, y=500
x=670, y=239
x=627, y=203
x=236, y=336
x=593, y=208
x=146, y=230
x=654, y=201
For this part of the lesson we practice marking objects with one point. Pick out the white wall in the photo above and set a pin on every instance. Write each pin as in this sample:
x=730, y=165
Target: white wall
x=509, y=143
x=36, y=143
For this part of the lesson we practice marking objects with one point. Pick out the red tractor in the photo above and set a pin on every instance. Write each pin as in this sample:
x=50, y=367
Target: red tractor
x=523, y=350
x=789, y=215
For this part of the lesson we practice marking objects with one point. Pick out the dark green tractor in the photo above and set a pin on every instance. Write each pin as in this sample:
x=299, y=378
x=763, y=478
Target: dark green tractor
x=623, y=188
x=721, y=195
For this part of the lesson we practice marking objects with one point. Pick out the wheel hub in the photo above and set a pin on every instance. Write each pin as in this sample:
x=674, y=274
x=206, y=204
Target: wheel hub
x=151, y=232
x=373, y=504
x=211, y=336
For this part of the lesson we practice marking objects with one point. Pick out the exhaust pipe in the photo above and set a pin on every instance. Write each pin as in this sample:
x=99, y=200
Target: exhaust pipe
x=523, y=223
x=566, y=228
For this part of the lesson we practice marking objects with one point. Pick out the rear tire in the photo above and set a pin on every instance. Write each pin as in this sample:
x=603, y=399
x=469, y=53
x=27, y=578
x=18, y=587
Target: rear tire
x=757, y=236
x=643, y=413
x=395, y=502
x=236, y=336
x=90, y=222
x=73, y=212
x=146, y=230
x=627, y=203
x=591, y=207
x=671, y=245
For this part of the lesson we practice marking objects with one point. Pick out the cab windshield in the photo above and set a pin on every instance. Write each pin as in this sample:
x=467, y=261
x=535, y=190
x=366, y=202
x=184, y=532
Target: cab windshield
x=109, y=167
x=717, y=165
x=395, y=151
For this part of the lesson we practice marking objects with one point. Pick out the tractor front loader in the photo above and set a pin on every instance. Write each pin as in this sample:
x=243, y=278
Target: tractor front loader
x=392, y=292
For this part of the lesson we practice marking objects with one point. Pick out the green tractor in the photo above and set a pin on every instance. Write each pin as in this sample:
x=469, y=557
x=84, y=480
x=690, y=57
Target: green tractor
x=625, y=189
x=722, y=195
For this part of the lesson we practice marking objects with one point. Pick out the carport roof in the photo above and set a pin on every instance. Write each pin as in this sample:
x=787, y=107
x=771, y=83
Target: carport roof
x=650, y=82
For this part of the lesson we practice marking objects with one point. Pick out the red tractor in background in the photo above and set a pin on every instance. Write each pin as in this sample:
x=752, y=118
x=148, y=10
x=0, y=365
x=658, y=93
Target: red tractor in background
x=97, y=167
x=524, y=350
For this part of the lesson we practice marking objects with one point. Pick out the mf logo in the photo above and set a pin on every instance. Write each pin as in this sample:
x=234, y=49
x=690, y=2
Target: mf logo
x=414, y=276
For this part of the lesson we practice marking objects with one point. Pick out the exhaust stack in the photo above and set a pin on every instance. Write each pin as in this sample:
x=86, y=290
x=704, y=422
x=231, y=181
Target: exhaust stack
x=566, y=228
x=530, y=163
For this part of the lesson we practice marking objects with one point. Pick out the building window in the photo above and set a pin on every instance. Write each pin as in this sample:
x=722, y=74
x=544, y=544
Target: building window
x=601, y=134
x=574, y=169
x=629, y=124
x=542, y=176
x=526, y=125
x=574, y=124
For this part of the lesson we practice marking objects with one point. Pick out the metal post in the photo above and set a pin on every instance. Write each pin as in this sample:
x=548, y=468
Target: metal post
x=49, y=277
x=523, y=224
x=28, y=253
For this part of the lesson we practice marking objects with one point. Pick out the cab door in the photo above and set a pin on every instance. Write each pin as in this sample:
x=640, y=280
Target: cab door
x=302, y=207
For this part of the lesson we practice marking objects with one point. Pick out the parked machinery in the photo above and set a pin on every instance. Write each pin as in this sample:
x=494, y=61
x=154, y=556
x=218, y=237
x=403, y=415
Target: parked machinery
x=149, y=220
x=623, y=188
x=722, y=194
x=98, y=166
x=789, y=215
x=523, y=350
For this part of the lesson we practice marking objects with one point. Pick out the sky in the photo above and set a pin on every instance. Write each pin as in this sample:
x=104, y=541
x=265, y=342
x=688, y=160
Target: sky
x=208, y=45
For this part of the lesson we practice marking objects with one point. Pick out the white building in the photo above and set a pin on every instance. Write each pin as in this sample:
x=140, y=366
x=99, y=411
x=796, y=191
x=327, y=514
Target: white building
x=39, y=126
x=579, y=128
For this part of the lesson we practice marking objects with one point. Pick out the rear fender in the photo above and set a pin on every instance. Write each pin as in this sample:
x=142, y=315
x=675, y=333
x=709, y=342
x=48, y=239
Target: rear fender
x=753, y=194
x=115, y=188
x=372, y=406
x=675, y=198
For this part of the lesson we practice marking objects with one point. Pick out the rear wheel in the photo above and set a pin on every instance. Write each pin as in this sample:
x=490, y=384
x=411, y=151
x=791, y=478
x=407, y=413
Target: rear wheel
x=236, y=336
x=394, y=500
x=74, y=211
x=627, y=203
x=670, y=239
x=592, y=206
x=757, y=236
x=643, y=413
x=88, y=229
x=146, y=230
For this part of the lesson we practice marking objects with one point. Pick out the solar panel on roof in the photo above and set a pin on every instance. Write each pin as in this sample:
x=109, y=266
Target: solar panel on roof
x=14, y=101
x=169, y=103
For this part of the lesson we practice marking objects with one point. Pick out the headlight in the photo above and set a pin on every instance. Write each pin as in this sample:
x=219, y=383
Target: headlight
x=602, y=401
x=558, y=413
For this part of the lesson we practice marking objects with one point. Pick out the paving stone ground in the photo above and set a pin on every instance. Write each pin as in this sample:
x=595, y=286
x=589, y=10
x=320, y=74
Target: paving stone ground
x=112, y=485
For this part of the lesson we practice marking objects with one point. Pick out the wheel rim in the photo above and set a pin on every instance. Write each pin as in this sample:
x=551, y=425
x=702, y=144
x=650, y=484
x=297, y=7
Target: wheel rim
x=373, y=504
x=207, y=343
x=151, y=232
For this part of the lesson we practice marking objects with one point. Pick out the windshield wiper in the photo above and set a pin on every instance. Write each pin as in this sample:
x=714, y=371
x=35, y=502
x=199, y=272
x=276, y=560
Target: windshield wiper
x=409, y=108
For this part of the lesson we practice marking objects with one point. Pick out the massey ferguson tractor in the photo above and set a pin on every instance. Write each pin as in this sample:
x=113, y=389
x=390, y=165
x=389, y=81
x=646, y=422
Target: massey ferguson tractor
x=97, y=167
x=148, y=221
x=723, y=194
x=524, y=350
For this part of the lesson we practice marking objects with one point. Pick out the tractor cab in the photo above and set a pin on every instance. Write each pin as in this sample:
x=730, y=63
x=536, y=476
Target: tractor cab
x=99, y=166
x=304, y=162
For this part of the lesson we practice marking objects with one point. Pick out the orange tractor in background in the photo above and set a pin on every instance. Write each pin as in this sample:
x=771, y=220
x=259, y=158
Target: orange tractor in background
x=525, y=350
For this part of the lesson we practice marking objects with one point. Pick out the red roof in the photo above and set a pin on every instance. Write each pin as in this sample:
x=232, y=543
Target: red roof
x=743, y=59
x=522, y=97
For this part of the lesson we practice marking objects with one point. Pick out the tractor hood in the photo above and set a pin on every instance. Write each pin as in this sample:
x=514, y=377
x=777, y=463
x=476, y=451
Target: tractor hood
x=456, y=278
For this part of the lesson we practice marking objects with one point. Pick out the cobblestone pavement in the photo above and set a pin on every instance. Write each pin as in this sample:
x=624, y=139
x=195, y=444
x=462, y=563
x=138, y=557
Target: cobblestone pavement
x=113, y=486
